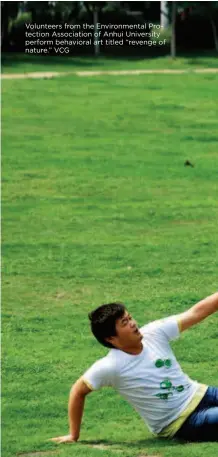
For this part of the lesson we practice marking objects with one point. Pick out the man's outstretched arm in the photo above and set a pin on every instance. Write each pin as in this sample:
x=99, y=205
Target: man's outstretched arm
x=198, y=312
x=75, y=412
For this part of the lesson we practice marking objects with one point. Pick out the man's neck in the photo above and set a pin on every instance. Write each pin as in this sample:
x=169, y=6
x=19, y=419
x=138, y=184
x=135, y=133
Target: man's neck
x=133, y=350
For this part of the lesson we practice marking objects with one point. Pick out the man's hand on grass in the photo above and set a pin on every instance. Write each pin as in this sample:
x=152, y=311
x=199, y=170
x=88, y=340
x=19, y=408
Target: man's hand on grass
x=64, y=439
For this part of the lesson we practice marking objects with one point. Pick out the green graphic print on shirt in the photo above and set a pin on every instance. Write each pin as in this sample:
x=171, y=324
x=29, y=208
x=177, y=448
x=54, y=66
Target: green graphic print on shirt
x=166, y=384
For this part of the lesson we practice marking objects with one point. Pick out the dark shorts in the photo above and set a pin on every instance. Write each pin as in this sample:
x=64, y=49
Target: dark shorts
x=202, y=424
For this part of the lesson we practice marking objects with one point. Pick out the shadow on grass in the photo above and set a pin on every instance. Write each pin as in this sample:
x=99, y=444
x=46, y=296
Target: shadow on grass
x=198, y=59
x=13, y=59
x=146, y=443
x=16, y=59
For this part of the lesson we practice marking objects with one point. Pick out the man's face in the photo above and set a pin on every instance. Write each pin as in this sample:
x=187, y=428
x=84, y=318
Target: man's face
x=127, y=331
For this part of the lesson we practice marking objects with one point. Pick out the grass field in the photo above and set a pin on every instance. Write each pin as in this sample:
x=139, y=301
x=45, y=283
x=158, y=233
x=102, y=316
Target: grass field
x=98, y=206
x=22, y=63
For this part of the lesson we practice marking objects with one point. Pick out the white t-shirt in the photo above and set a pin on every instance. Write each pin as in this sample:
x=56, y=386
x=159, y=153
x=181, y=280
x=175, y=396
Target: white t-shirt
x=153, y=381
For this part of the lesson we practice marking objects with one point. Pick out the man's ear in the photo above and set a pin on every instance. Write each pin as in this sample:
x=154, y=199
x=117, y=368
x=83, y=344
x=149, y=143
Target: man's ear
x=110, y=339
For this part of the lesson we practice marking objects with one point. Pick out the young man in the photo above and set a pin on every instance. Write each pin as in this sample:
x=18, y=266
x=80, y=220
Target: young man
x=143, y=368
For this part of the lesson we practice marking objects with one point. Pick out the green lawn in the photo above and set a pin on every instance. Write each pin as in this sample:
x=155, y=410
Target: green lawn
x=98, y=206
x=21, y=63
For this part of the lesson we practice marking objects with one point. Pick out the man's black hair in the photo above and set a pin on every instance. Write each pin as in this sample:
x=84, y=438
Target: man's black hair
x=103, y=321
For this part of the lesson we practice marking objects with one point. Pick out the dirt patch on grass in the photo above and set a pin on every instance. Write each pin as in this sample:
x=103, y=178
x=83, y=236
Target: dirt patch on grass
x=37, y=454
x=104, y=447
x=101, y=447
x=148, y=455
x=53, y=74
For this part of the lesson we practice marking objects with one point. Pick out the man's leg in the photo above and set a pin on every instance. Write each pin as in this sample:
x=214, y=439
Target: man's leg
x=202, y=424
x=211, y=397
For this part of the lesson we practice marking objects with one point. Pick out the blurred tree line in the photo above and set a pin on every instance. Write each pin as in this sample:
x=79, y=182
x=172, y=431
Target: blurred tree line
x=189, y=26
